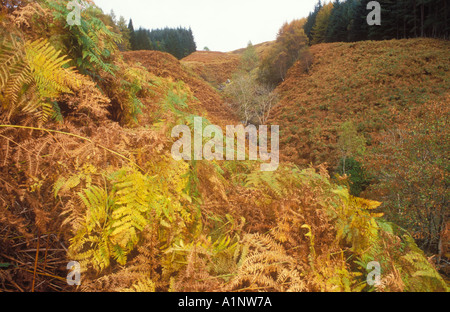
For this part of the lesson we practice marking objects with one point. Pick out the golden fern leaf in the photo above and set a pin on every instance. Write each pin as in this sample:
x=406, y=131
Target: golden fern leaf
x=266, y=181
x=91, y=245
x=35, y=71
x=11, y=53
x=142, y=286
x=29, y=103
x=47, y=67
x=132, y=198
x=266, y=267
x=113, y=221
x=15, y=72
x=19, y=75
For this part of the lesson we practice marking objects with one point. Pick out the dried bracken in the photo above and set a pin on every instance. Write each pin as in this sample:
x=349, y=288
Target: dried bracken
x=91, y=178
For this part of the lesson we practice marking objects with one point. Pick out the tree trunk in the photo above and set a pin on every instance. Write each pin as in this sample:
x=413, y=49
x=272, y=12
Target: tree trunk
x=446, y=17
x=343, y=165
x=422, y=20
x=415, y=19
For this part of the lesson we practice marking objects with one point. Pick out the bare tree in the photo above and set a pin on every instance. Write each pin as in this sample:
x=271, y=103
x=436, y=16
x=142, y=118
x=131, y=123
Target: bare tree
x=253, y=101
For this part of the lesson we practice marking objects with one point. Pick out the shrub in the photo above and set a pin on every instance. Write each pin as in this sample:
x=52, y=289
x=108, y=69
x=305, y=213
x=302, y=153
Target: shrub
x=358, y=177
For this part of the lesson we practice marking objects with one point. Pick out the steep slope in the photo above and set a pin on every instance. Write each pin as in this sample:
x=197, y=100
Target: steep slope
x=261, y=48
x=373, y=84
x=167, y=66
x=217, y=67
x=396, y=96
x=214, y=67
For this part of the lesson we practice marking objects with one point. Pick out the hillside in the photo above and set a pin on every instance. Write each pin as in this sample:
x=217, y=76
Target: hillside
x=396, y=96
x=90, y=183
x=214, y=67
x=218, y=67
x=261, y=48
x=165, y=65
x=374, y=84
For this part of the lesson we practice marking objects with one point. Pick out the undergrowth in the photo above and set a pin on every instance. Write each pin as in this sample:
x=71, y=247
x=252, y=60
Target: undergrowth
x=98, y=185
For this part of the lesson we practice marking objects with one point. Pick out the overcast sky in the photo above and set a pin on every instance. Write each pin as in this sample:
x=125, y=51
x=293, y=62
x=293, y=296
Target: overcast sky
x=221, y=25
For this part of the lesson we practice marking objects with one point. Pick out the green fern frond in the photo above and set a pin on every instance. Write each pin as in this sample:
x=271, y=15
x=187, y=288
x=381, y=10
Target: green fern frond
x=265, y=181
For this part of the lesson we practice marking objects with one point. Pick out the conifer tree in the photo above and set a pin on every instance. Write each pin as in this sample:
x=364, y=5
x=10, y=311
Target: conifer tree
x=126, y=35
x=399, y=19
x=338, y=24
x=320, y=29
x=132, y=35
x=311, y=20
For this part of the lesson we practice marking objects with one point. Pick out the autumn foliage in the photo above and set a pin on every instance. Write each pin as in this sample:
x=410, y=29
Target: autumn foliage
x=290, y=46
x=87, y=175
x=396, y=97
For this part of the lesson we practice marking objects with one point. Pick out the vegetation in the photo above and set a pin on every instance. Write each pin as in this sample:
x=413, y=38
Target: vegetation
x=252, y=100
x=381, y=121
x=290, y=46
x=179, y=42
x=345, y=21
x=322, y=23
x=86, y=170
x=214, y=67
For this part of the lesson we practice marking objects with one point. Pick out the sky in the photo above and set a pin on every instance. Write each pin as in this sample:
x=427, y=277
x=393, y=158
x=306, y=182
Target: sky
x=220, y=25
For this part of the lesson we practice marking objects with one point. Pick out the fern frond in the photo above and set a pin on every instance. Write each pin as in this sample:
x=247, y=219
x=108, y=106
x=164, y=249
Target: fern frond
x=267, y=267
x=47, y=67
x=91, y=244
x=20, y=76
x=32, y=75
x=142, y=286
x=266, y=181
x=11, y=54
x=132, y=198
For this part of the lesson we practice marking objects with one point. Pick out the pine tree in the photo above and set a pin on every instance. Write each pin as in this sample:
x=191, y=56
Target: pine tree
x=311, y=20
x=132, y=35
x=192, y=45
x=142, y=40
x=358, y=28
x=250, y=59
x=400, y=19
x=337, y=29
x=320, y=29
x=126, y=35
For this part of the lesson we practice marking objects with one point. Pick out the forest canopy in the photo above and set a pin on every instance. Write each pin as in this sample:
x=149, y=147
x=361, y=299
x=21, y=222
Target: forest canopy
x=179, y=41
x=399, y=19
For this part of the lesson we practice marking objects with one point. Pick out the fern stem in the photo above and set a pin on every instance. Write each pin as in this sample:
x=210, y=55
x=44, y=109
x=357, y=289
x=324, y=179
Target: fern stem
x=76, y=136
x=35, y=263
